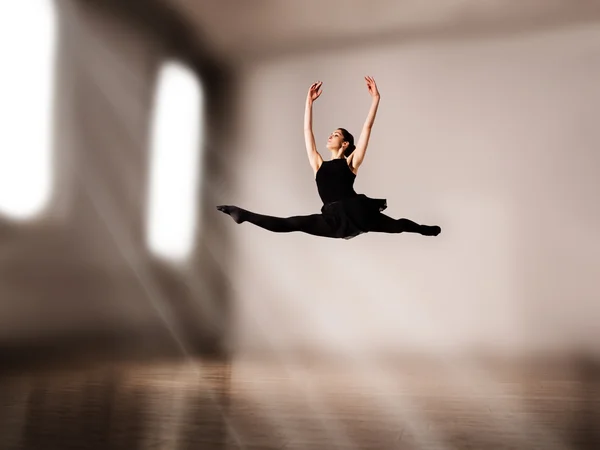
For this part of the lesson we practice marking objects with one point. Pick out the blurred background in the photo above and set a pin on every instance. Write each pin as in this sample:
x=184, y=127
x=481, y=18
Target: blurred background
x=135, y=315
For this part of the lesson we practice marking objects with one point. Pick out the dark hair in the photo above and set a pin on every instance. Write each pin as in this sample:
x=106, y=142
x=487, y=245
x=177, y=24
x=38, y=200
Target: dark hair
x=350, y=139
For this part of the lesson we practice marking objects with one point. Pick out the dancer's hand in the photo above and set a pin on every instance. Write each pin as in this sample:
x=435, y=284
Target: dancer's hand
x=372, y=87
x=315, y=91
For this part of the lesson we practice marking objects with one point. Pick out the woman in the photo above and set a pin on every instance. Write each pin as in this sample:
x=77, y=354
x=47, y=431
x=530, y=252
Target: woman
x=345, y=214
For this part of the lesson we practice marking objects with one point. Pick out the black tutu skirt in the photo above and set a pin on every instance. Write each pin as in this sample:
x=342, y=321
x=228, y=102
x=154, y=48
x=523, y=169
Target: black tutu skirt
x=352, y=216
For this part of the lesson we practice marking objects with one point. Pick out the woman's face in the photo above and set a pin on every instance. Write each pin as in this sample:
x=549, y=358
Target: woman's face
x=336, y=140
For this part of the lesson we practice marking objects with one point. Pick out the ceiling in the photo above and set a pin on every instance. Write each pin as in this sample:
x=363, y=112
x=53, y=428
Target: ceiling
x=262, y=28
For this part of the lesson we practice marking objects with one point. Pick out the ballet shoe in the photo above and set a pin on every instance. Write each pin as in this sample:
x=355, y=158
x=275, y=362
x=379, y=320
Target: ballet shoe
x=233, y=211
x=431, y=230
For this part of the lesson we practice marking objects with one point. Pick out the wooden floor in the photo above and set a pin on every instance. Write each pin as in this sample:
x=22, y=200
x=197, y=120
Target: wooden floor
x=274, y=405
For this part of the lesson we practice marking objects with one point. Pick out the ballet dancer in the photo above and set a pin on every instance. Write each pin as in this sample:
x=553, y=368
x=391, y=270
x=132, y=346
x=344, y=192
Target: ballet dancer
x=345, y=214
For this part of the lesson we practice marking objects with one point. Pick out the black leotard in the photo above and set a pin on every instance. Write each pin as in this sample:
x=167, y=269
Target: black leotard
x=335, y=181
x=347, y=212
x=344, y=214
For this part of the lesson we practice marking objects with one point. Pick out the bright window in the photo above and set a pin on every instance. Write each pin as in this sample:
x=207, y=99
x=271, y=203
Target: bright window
x=27, y=50
x=174, y=163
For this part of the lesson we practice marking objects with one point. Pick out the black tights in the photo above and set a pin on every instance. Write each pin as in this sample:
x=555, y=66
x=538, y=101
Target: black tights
x=316, y=224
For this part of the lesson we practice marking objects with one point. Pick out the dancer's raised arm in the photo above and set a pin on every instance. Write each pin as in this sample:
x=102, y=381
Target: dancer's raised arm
x=363, y=141
x=314, y=157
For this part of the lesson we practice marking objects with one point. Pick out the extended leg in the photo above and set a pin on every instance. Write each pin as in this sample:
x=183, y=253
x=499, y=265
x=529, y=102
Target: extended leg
x=385, y=224
x=313, y=224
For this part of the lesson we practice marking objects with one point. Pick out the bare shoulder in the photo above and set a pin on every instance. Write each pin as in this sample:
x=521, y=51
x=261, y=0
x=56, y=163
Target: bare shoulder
x=317, y=163
x=349, y=160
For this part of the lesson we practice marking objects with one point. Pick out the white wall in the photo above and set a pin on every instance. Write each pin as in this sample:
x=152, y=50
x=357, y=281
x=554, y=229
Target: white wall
x=494, y=140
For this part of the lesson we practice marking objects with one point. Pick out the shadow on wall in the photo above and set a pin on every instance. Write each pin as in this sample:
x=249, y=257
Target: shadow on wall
x=201, y=291
x=48, y=267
